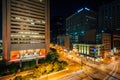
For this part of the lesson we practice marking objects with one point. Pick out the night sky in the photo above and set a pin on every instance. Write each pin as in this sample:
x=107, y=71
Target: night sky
x=65, y=7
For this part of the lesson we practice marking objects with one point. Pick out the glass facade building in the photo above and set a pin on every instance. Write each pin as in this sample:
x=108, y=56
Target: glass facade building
x=80, y=22
x=109, y=16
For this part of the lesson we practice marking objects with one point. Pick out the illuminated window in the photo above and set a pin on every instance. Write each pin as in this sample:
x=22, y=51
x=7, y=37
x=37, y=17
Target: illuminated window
x=18, y=18
x=43, y=21
x=41, y=0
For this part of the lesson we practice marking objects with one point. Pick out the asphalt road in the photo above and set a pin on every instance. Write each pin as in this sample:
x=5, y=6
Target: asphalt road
x=97, y=72
x=83, y=70
x=92, y=71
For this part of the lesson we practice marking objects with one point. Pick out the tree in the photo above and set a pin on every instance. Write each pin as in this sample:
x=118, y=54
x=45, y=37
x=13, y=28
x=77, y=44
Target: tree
x=37, y=73
x=41, y=61
x=3, y=68
x=49, y=68
x=42, y=68
x=56, y=66
x=32, y=64
x=13, y=67
x=25, y=65
x=63, y=64
x=52, y=56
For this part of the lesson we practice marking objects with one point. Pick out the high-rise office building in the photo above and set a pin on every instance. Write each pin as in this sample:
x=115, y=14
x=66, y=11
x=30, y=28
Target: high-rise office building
x=90, y=37
x=80, y=22
x=64, y=41
x=25, y=29
x=116, y=43
x=105, y=39
x=109, y=16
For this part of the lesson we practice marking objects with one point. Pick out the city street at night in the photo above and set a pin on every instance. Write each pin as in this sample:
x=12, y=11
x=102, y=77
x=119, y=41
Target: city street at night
x=59, y=39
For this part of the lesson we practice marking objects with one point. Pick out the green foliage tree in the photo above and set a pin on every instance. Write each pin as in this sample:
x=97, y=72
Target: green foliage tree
x=56, y=66
x=49, y=58
x=50, y=64
x=49, y=68
x=1, y=50
x=3, y=68
x=63, y=64
x=13, y=67
x=41, y=61
x=25, y=65
x=37, y=72
x=52, y=56
x=42, y=68
x=32, y=64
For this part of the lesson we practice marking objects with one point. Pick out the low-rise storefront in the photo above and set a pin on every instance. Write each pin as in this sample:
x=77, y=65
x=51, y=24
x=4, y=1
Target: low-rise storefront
x=90, y=51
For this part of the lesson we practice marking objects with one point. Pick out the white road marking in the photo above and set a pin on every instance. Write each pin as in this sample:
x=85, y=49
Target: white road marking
x=109, y=73
x=113, y=72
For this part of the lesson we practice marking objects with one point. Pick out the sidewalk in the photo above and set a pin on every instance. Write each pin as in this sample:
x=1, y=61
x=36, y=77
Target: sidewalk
x=11, y=76
x=60, y=74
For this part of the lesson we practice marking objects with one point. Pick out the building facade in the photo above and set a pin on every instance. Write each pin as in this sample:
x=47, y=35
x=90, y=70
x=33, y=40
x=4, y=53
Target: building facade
x=78, y=23
x=1, y=50
x=25, y=29
x=111, y=42
x=109, y=16
x=64, y=41
x=105, y=39
x=116, y=43
x=91, y=50
x=90, y=37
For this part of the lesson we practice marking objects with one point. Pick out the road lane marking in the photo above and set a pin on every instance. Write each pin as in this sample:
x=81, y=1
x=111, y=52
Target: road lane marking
x=111, y=73
x=114, y=73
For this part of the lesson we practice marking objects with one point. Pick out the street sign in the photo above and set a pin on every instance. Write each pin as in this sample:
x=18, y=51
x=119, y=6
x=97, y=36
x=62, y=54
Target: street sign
x=95, y=50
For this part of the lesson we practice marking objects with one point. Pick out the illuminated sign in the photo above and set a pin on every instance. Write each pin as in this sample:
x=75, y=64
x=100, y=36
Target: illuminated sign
x=95, y=50
x=83, y=9
x=80, y=10
x=87, y=9
x=27, y=54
